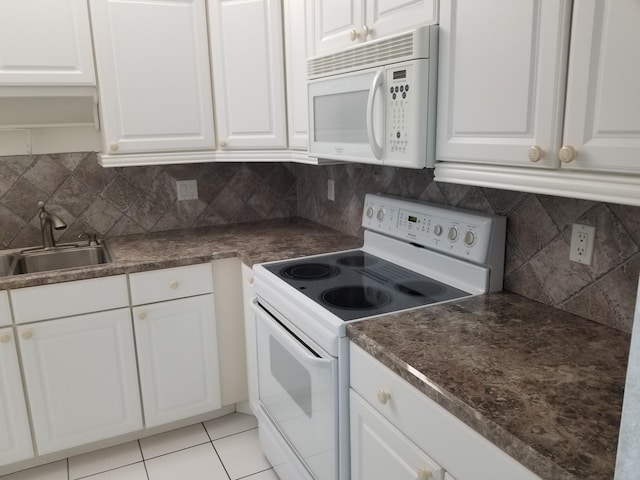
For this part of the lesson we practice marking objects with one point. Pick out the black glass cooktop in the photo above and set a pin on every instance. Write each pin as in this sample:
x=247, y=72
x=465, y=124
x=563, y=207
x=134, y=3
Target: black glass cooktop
x=356, y=284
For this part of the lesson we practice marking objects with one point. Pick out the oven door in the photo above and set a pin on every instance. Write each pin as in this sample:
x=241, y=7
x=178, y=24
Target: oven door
x=298, y=389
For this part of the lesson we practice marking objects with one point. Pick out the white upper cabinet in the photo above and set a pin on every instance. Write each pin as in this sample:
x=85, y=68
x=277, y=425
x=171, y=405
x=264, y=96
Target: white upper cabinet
x=602, y=116
x=502, y=98
x=248, y=73
x=338, y=24
x=44, y=42
x=297, y=47
x=15, y=436
x=502, y=71
x=154, y=77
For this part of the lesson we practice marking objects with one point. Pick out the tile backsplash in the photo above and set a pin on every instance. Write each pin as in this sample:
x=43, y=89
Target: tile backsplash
x=538, y=234
x=120, y=201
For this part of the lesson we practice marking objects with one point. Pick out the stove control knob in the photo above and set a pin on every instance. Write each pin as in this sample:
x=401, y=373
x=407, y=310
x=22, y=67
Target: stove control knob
x=437, y=230
x=469, y=238
x=370, y=212
x=453, y=234
x=380, y=214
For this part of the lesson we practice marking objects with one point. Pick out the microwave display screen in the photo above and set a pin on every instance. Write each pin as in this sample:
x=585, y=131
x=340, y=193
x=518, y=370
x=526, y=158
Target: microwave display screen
x=399, y=74
x=341, y=117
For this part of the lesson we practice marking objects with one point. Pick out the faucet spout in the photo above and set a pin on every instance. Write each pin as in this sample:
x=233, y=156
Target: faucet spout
x=49, y=221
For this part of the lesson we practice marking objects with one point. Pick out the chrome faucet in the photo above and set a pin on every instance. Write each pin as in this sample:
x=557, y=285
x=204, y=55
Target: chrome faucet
x=49, y=221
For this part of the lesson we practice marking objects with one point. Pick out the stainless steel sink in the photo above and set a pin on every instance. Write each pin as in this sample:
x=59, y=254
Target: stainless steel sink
x=60, y=258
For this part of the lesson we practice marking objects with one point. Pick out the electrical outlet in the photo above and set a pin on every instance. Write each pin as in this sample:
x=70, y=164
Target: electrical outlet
x=582, y=239
x=331, y=190
x=187, y=189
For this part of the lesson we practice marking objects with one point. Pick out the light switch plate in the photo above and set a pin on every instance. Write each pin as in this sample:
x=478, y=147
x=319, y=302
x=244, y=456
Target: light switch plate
x=187, y=189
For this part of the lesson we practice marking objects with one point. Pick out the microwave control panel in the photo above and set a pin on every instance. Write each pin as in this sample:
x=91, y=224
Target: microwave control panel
x=406, y=107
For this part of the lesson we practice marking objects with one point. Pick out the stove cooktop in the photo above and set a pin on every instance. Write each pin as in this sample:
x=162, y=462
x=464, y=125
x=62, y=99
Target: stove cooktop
x=356, y=284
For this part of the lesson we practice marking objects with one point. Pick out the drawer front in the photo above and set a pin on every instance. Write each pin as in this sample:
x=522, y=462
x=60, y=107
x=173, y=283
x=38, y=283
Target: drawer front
x=71, y=298
x=5, y=311
x=170, y=283
x=459, y=449
x=379, y=450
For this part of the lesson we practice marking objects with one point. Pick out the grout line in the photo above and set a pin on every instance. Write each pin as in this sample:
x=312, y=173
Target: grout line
x=109, y=470
x=175, y=451
x=255, y=473
x=221, y=462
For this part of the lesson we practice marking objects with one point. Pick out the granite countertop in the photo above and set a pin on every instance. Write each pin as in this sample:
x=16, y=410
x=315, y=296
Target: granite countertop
x=544, y=385
x=253, y=242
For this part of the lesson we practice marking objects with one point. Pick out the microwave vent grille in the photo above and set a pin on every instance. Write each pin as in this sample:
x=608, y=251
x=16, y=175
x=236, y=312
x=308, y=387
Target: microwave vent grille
x=398, y=48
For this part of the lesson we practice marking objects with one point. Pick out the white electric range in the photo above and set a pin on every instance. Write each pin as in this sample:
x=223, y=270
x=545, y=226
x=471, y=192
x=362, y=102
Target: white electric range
x=414, y=254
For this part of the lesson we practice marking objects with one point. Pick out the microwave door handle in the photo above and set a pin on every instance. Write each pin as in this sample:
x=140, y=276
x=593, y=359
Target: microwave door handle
x=375, y=86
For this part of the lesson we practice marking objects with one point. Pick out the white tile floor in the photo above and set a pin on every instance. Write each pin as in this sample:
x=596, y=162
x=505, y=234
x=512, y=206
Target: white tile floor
x=226, y=448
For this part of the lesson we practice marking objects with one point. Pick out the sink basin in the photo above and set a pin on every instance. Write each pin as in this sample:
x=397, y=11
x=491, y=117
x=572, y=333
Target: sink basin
x=5, y=264
x=60, y=259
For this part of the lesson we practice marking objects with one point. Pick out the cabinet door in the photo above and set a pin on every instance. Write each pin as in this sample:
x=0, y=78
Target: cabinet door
x=80, y=374
x=45, y=43
x=502, y=71
x=602, y=120
x=153, y=70
x=336, y=24
x=15, y=436
x=386, y=17
x=379, y=450
x=178, y=359
x=248, y=71
x=297, y=50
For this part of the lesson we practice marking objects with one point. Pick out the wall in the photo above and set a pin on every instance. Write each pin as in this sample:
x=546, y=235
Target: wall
x=538, y=234
x=120, y=201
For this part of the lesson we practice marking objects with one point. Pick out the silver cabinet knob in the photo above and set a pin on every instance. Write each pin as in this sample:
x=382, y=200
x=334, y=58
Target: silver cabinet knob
x=567, y=154
x=222, y=143
x=142, y=315
x=366, y=31
x=114, y=147
x=5, y=338
x=535, y=153
x=354, y=35
x=27, y=334
x=250, y=281
x=173, y=284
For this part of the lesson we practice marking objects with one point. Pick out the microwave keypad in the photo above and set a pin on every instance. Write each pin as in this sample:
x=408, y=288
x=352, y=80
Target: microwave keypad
x=398, y=136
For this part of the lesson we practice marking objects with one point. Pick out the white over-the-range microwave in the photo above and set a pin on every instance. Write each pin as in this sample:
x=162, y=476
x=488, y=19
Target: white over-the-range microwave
x=376, y=102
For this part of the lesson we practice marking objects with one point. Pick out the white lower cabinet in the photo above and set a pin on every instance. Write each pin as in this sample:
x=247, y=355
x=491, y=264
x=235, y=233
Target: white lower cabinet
x=15, y=437
x=177, y=358
x=80, y=375
x=379, y=450
x=398, y=430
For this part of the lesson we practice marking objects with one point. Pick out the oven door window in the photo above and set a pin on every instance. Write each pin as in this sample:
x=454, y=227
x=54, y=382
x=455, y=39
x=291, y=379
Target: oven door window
x=298, y=390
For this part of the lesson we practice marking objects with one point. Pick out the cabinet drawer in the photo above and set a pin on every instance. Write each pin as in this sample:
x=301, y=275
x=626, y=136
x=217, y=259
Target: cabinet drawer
x=170, y=283
x=451, y=443
x=5, y=311
x=71, y=298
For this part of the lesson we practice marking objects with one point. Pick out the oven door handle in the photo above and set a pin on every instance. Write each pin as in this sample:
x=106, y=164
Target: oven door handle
x=295, y=346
